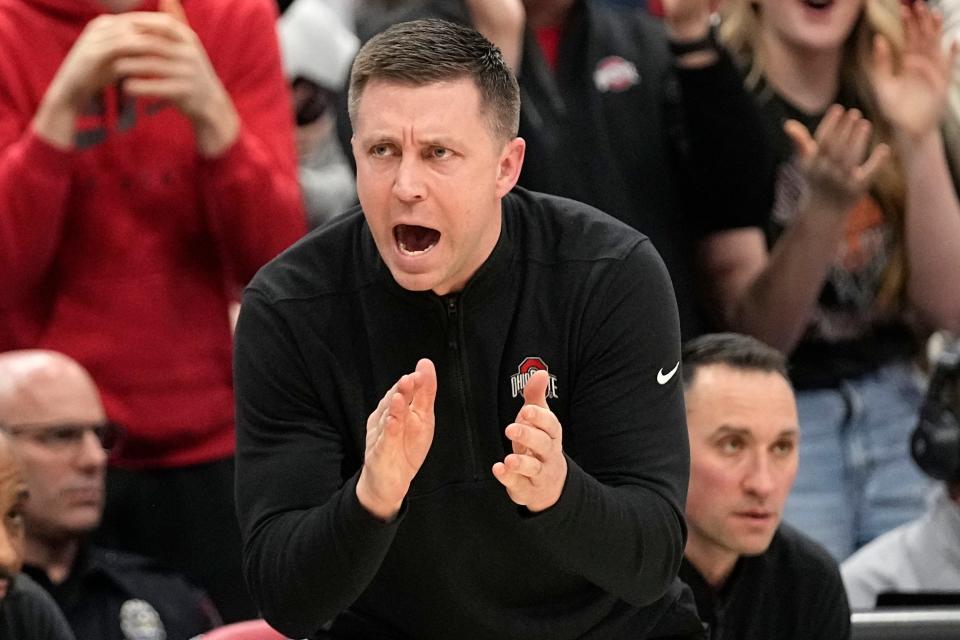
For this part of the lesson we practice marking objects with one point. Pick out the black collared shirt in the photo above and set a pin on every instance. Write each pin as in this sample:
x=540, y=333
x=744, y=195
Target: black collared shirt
x=28, y=613
x=118, y=596
x=792, y=591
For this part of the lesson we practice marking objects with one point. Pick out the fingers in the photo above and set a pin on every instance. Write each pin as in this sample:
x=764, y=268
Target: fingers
x=802, y=142
x=529, y=440
x=866, y=171
x=829, y=124
x=535, y=390
x=526, y=466
x=165, y=25
x=174, y=9
x=882, y=57
x=425, y=391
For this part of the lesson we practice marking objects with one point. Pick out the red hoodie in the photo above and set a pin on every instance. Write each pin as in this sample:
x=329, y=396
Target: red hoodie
x=125, y=252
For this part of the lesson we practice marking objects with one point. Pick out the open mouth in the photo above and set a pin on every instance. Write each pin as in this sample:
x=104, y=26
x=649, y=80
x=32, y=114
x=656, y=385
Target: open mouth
x=818, y=4
x=414, y=240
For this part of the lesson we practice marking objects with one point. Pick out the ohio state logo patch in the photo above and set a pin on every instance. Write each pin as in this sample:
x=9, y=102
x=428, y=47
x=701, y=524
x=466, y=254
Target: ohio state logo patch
x=529, y=366
x=614, y=74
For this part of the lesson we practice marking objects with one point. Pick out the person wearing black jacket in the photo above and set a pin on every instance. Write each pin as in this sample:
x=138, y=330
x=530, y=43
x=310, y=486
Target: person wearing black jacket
x=648, y=121
x=753, y=577
x=458, y=408
x=51, y=407
x=27, y=612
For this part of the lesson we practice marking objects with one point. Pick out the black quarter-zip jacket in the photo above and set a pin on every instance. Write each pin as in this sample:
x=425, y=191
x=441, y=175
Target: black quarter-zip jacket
x=324, y=331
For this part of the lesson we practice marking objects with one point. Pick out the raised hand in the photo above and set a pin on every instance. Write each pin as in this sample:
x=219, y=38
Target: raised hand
x=399, y=434
x=87, y=69
x=177, y=70
x=534, y=474
x=832, y=161
x=913, y=94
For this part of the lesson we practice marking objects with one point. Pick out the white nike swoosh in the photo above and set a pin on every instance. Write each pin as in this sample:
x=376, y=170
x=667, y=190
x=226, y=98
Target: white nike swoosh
x=664, y=378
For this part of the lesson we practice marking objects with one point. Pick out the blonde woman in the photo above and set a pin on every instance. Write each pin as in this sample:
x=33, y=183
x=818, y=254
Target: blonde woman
x=862, y=251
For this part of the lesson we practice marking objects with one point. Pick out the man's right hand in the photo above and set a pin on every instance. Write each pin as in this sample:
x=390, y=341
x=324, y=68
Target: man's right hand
x=399, y=434
x=87, y=69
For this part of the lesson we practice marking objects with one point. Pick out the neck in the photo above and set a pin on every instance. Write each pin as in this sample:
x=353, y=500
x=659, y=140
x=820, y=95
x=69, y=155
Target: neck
x=808, y=79
x=713, y=563
x=547, y=13
x=55, y=557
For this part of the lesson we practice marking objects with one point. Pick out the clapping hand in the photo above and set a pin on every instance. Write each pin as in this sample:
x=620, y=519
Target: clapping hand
x=832, y=161
x=534, y=474
x=399, y=435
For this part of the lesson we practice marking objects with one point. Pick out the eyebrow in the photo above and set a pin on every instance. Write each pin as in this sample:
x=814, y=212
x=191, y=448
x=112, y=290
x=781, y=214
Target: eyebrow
x=726, y=429
x=381, y=137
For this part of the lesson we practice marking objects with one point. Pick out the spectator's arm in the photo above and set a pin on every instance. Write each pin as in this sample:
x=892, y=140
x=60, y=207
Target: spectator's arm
x=772, y=296
x=250, y=191
x=35, y=179
x=619, y=520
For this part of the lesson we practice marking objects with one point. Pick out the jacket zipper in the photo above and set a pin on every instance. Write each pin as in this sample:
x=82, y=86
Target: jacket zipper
x=454, y=343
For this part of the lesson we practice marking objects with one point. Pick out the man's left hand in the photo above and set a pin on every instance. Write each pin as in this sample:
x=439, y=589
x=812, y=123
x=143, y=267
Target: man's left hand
x=179, y=72
x=534, y=474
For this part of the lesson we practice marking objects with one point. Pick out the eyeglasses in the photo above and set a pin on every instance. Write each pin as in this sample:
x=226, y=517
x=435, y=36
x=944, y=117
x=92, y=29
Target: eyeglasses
x=64, y=438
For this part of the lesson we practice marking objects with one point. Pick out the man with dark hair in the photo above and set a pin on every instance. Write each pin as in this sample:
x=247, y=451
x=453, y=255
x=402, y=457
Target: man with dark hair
x=400, y=471
x=753, y=577
x=26, y=611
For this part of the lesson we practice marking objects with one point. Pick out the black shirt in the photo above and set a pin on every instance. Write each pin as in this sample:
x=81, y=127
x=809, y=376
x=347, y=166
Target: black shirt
x=29, y=613
x=792, y=591
x=324, y=331
x=109, y=591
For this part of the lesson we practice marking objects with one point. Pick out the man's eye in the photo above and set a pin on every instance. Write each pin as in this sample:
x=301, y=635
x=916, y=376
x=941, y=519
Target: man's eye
x=381, y=150
x=65, y=435
x=783, y=448
x=439, y=152
x=731, y=445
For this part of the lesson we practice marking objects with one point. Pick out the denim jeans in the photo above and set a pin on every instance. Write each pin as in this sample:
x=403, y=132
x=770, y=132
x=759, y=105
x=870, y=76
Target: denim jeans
x=856, y=479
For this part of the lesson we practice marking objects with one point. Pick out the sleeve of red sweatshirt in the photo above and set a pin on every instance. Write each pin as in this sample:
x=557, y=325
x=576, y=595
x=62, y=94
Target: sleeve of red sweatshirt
x=250, y=193
x=35, y=180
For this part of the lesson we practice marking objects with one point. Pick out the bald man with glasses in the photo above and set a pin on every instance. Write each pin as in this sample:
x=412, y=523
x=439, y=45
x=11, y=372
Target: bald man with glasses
x=51, y=409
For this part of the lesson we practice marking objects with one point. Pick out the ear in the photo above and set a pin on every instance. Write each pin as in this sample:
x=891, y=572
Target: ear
x=509, y=165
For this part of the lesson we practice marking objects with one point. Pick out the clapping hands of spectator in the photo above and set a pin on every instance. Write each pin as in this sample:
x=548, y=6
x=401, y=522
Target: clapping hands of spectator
x=399, y=435
x=832, y=161
x=534, y=474
x=913, y=93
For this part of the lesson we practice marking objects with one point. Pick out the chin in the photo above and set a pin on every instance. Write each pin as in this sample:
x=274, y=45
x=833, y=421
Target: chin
x=415, y=281
x=754, y=545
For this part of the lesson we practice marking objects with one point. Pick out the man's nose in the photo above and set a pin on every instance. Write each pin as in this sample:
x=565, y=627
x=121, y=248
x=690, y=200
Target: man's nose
x=92, y=454
x=759, y=479
x=408, y=184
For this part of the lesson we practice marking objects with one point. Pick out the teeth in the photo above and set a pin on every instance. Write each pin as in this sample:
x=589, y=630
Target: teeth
x=410, y=252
